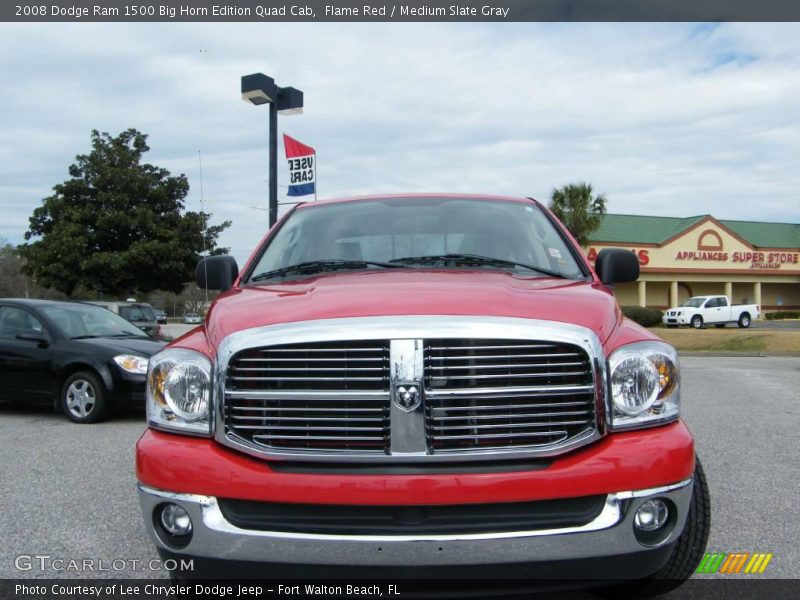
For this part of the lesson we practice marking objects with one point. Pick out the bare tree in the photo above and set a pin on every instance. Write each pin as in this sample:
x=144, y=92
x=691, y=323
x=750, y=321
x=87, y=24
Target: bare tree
x=166, y=301
x=13, y=281
x=193, y=299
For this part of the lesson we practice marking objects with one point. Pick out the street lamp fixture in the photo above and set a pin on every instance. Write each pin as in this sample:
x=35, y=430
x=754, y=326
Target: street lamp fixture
x=259, y=89
x=290, y=101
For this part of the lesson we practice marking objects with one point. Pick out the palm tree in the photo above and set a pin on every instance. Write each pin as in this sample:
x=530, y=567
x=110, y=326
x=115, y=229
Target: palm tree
x=580, y=212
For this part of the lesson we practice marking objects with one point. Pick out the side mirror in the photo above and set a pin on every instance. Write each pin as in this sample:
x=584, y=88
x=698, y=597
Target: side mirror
x=42, y=339
x=614, y=265
x=216, y=272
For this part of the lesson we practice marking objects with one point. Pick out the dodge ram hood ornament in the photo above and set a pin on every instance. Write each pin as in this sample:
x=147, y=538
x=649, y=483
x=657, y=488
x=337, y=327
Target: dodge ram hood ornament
x=407, y=396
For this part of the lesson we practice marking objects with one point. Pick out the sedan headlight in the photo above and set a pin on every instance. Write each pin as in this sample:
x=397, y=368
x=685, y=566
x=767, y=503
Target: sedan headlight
x=645, y=385
x=179, y=391
x=132, y=363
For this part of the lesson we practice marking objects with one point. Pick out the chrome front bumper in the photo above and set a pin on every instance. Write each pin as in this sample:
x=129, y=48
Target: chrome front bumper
x=611, y=533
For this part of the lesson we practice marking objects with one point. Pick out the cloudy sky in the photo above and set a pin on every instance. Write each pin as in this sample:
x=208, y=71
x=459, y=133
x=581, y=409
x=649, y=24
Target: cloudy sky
x=665, y=119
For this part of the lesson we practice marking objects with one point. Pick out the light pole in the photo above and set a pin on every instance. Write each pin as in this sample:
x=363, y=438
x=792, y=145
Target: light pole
x=259, y=89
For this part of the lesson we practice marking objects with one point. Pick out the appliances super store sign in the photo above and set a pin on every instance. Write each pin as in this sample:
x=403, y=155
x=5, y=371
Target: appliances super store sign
x=754, y=260
x=655, y=257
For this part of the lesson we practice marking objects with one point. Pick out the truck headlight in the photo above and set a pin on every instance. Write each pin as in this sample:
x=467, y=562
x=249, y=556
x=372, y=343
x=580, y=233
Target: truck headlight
x=644, y=379
x=179, y=391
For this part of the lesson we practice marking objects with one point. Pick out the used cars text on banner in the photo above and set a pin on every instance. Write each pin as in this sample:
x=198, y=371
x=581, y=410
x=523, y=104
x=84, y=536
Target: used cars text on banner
x=302, y=167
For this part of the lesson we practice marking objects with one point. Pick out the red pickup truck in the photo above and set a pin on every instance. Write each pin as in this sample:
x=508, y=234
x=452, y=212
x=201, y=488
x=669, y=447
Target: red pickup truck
x=422, y=386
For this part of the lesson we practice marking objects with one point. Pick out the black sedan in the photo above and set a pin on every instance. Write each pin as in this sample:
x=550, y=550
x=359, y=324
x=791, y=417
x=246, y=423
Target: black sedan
x=82, y=359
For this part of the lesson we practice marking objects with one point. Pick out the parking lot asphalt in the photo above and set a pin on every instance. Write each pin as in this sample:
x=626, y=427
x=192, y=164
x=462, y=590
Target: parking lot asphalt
x=68, y=491
x=779, y=325
x=174, y=330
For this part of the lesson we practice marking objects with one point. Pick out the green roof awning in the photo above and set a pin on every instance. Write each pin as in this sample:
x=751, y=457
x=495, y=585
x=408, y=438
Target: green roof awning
x=641, y=229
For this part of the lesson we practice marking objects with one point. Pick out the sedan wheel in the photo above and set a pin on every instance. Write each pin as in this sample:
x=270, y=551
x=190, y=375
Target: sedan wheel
x=83, y=398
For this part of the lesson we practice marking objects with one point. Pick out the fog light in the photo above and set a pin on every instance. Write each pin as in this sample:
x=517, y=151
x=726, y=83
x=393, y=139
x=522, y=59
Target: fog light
x=652, y=515
x=176, y=520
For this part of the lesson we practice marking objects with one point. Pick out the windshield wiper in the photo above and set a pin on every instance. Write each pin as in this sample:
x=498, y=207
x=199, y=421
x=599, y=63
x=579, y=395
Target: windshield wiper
x=84, y=337
x=475, y=259
x=319, y=266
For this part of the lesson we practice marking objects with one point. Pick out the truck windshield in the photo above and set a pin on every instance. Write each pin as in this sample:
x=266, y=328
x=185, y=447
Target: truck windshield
x=441, y=233
x=694, y=302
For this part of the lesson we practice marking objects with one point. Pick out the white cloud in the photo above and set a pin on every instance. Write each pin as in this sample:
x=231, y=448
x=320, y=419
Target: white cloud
x=665, y=119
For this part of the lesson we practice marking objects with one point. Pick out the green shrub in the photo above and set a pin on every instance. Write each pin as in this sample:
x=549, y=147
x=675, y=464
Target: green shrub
x=647, y=317
x=783, y=314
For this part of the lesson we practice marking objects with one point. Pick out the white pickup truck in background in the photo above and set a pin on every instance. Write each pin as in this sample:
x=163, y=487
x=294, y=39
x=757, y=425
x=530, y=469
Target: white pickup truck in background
x=699, y=311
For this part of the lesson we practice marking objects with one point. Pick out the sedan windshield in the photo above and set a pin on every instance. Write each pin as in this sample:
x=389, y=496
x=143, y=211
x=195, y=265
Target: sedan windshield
x=440, y=233
x=86, y=321
x=694, y=302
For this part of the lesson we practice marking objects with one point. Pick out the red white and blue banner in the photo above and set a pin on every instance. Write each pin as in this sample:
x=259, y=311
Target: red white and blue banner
x=302, y=161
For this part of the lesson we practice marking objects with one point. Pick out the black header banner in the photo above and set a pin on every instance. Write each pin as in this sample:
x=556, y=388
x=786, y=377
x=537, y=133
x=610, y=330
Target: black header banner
x=402, y=11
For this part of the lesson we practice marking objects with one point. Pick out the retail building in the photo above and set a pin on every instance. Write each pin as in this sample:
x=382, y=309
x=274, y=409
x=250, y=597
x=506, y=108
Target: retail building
x=750, y=261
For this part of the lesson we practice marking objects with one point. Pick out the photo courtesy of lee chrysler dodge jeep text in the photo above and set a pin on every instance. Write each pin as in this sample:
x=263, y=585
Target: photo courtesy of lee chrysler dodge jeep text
x=422, y=386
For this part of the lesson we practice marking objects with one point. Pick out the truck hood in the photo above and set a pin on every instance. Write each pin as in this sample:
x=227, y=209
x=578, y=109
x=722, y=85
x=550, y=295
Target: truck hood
x=414, y=292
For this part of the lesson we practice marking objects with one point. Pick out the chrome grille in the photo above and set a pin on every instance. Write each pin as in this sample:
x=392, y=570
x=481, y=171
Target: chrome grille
x=329, y=396
x=484, y=394
x=342, y=366
x=320, y=393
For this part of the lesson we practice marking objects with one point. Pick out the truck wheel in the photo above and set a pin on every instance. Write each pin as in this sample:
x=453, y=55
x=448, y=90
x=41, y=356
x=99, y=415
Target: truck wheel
x=719, y=325
x=687, y=552
x=83, y=398
x=744, y=321
x=697, y=322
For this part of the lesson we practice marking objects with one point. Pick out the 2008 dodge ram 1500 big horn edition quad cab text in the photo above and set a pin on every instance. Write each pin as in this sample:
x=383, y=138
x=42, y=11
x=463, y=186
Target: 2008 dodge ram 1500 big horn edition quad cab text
x=435, y=386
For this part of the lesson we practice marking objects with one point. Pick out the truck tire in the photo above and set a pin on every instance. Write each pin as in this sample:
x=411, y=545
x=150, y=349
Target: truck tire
x=744, y=320
x=697, y=322
x=83, y=398
x=687, y=552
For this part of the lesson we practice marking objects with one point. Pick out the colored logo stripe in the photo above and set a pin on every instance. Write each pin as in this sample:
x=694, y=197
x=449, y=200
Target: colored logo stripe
x=711, y=562
x=758, y=563
x=735, y=562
